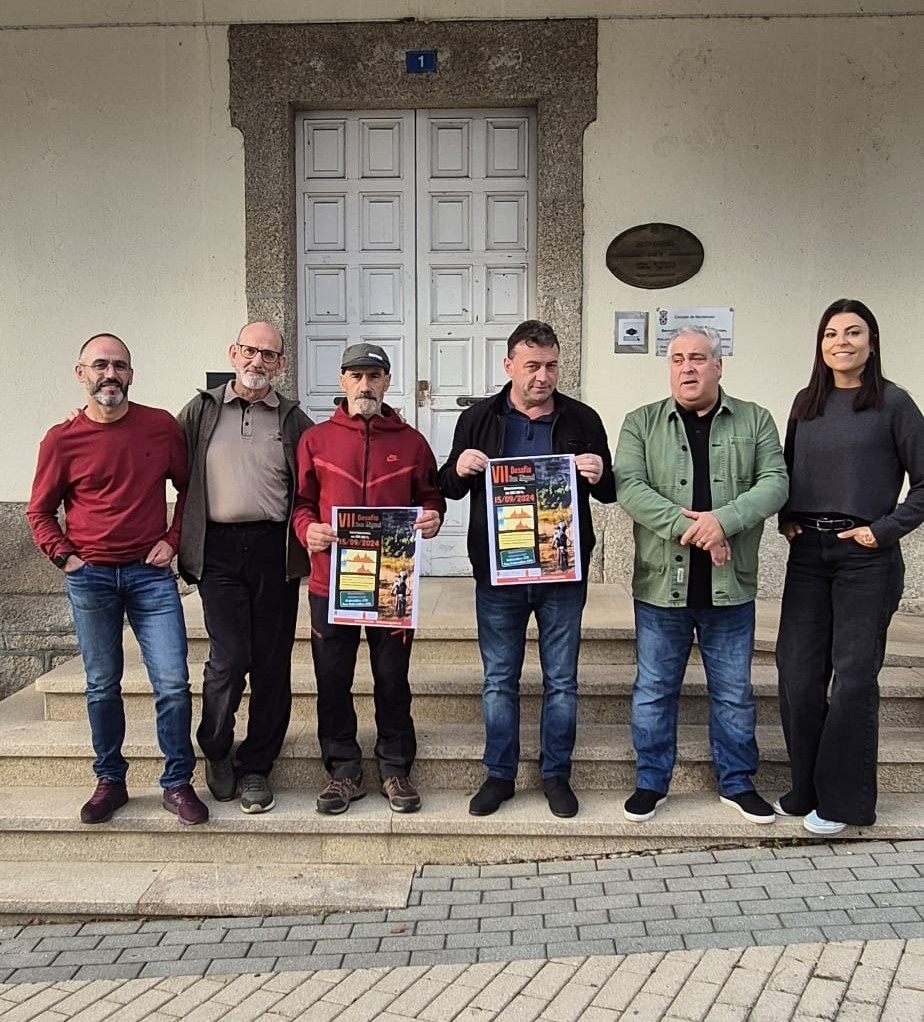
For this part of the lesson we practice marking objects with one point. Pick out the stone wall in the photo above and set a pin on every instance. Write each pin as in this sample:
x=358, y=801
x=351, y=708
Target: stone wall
x=36, y=631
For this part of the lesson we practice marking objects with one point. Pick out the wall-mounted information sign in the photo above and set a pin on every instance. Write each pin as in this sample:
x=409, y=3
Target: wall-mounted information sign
x=420, y=61
x=655, y=255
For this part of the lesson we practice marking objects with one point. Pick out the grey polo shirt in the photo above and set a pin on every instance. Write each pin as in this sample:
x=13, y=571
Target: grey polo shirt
x=246, y=475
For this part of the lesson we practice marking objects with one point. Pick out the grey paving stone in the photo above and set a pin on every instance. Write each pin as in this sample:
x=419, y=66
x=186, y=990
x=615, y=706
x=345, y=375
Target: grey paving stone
x=775, y=865
x=107, y=926
x=197, y=951
x=170, y=925
x=579, y=918
x=170, y=953
x=349, y=946
x=439, y=883
x=122, y=971
x=729, y=869
x=498, y=910
x=803, y=935
x=909, y=931
x=5, y=975
x=612, y=902
x=898, y=858
x=901, y=914
x=306, y=963
x=28, y=960
x=634, y=945
x=832, y=901
x=124, y=940
x=255, y=934
x=910, y=884
x=466, y=956
x=644, y=912
x=892, y=872
x=683, y=858
x=42, y=974
x=695, y=941
x=796, y=890
x=106, y=957
x=510, y=869
x=410, y=915
x=611, y=931
x=710, y=909
x=879, y=886
x=579, y=949
x=835, y=917
x=499, y=924
x=452, y=897
x=238, y=922
x=745, y=854
x=229, y=966
x=478, y=883
x=302, y=920
x=658, y=927
x=450, y=871
x=739, y=894
x=379, y=960
x=895, y=898
x=175, y=968
x=447, y=926
x=744, y=923
x=665, y=872
x=315, y=932
x=512, y=953
x=518, y=894
x=54, y=929
x=388, y=929
x=286, y=948
x=191, y=937
x=423, y=942
x=499, y=938
x=11, y=931
x=572, y=867
x=671, y=898
x=869, y=931
x=698, y=883
x=68, y=943
x=620, y=887
x=544, y=907
x=563, y=934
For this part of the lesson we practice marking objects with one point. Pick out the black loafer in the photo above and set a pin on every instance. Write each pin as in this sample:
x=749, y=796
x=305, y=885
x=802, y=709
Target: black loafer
x=489, y=796
x=562, y=800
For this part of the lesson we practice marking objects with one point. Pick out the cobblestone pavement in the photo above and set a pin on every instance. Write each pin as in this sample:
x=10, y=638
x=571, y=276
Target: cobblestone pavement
x=821, y=931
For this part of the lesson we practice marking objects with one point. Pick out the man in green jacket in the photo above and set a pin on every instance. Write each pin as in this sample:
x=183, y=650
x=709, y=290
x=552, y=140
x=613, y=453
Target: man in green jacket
x=698, y=473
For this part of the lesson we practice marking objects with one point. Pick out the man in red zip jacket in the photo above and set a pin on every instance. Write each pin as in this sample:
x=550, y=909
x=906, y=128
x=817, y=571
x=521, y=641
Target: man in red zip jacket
x=365, y=455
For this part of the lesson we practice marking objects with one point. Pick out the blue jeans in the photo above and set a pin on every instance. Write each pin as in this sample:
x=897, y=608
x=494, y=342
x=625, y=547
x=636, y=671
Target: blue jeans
x=502, y=613
x=101, y=596
x=664, y=637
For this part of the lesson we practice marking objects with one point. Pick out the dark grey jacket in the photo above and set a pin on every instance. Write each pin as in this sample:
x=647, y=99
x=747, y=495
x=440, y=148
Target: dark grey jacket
x=198, y=419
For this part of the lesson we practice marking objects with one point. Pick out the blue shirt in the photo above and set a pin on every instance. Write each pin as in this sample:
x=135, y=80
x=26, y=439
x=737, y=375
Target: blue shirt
x=525, y=437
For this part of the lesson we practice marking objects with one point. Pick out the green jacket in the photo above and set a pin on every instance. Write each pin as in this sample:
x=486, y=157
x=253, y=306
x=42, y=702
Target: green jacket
x=654, y=481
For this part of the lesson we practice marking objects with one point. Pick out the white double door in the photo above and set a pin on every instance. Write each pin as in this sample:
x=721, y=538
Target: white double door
x=416, y=232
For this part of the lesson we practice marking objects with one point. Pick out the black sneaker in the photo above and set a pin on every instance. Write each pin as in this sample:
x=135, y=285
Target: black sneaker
x=562, y=800
x=339, y=793
x=489, y=796
x=641, y=805
x=109, y=796
x=256, y=794
x=219, y=776
x=751, y=806
x=402, y=796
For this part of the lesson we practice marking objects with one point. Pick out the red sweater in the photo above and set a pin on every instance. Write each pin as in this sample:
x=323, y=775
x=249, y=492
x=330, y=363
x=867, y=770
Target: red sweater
x=110, y=478
x=353, y=462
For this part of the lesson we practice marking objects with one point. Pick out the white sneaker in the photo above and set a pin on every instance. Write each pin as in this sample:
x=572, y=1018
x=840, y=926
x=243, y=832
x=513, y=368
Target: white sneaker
x=816, y=825
x=779, y=810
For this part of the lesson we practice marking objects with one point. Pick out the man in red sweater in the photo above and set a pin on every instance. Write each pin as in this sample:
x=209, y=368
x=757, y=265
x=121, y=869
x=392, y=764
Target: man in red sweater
x=108, y=467
x=365, y=455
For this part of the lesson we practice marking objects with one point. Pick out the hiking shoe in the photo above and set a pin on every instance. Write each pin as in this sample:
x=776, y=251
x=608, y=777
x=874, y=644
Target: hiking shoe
x=185, y=804
x=256, y=794
x=109, y=796
x=402, y=796
x=751, y=806
x=562, y=800
x=642, y=803
x=339, y=793
x=219, y=776
x=816, y=824
x=489, y=796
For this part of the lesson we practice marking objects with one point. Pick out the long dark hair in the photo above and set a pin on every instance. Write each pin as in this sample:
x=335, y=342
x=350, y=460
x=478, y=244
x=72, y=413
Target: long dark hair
x=872, y=383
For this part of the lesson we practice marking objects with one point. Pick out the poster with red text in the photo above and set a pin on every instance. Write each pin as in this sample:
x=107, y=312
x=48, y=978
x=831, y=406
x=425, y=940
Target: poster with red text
x=375, y=567
x=533, y=532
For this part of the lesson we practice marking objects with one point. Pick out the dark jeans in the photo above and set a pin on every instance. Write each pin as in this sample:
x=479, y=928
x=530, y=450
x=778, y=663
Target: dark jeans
x=250, y=612
x=838, y=600
x=333, y=650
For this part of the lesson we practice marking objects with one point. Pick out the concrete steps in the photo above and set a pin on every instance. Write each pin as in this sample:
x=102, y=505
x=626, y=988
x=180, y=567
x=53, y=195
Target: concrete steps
x=45, y=773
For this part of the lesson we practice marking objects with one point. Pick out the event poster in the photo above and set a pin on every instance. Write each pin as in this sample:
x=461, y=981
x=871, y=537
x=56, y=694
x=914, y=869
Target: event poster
x=375, y=567
x=533, y=532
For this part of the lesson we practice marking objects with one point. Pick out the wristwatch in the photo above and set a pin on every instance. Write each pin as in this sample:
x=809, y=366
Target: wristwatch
x=59, y=560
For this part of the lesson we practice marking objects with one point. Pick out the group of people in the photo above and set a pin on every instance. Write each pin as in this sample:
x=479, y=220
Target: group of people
x=698, y=473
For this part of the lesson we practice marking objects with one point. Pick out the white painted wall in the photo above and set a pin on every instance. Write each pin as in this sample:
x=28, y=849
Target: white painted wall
x=121, y=209
x=792, y=147
x=793, y=150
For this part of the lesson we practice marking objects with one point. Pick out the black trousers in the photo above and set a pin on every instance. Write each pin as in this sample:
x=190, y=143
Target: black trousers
x=333, y=649
x=838, y=600
x=250, y=613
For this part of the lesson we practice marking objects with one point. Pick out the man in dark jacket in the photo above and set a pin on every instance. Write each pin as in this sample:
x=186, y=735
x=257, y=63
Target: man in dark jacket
x=236, y=547
x=528, y=418
x=365, y=455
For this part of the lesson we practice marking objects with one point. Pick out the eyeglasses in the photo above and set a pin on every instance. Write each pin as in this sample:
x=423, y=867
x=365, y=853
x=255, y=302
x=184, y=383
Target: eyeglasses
x=100, y=365
x=270, y=357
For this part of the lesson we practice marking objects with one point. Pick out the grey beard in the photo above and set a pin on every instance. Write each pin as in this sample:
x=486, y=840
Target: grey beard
x=254, y=381
x=110, y=400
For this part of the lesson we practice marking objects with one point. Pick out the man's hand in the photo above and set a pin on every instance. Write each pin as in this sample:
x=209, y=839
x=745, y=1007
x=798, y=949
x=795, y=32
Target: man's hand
x=790, y=530
x=160, y=555
x=721, y=554
x=590, y=467
x=72, y=414
x=429, y=524
x=319, y=536
x=73, y=563
x=863, y=535
x=705, y=532
x=470, y=462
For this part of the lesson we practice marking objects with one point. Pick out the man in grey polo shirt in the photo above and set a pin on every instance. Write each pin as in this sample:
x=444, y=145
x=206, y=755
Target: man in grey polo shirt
x=237, y=546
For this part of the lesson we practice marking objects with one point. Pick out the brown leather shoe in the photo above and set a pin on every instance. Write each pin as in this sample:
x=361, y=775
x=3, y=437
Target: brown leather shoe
x=186, y=804
x=109, y=796
x=402, y=796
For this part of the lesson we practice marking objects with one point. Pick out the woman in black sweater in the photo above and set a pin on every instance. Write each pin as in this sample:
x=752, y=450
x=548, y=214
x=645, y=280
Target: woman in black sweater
x=852, y=438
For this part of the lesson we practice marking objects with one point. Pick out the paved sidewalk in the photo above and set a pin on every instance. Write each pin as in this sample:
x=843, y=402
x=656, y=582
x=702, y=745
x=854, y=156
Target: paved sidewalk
x=819, y=931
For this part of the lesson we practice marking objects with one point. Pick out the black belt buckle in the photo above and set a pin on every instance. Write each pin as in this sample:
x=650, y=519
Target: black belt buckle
x=825, y=524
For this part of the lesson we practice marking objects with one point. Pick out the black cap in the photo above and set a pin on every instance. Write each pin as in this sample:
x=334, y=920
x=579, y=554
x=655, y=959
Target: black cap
x=358, y=355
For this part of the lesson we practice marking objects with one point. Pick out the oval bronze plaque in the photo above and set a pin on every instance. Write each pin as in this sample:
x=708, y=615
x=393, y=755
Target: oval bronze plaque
x=655, y=255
